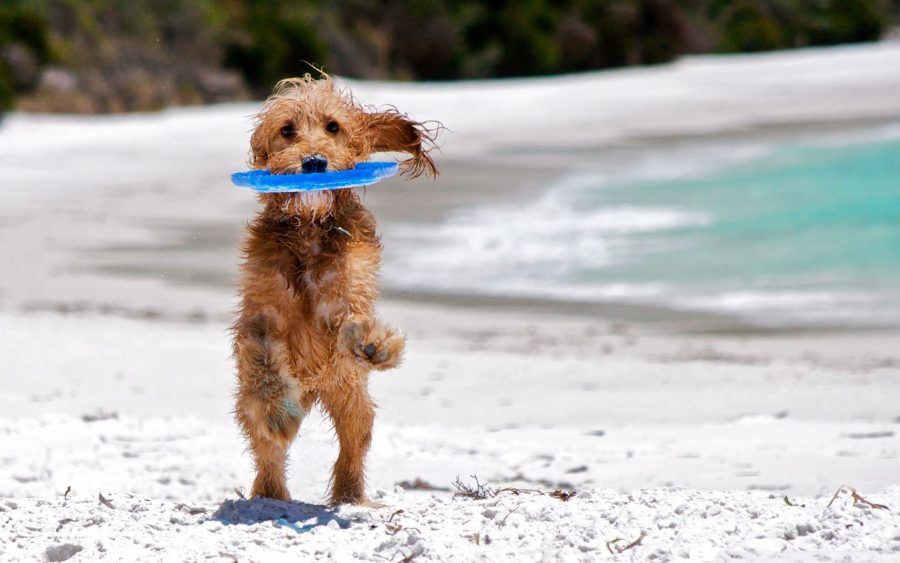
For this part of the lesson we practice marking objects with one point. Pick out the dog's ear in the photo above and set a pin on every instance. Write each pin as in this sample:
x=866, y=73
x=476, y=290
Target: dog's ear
x=259, y=146
x=392, y=131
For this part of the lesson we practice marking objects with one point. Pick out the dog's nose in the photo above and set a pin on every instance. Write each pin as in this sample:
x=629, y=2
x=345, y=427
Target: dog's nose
x=314, y=163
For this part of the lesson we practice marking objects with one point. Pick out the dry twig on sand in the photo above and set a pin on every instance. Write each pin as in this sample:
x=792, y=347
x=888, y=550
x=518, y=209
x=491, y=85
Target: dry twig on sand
x=857, y=498
x=613, y=548
x=517, y=491
x=390, y=526
x=394, y=527
x=562, y=495
x=395, y=513
x=105, y=502
x=508, y=514
x=481, y=491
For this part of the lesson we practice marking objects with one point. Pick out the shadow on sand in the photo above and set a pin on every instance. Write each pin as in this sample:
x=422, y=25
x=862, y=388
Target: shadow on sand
x=299, y=516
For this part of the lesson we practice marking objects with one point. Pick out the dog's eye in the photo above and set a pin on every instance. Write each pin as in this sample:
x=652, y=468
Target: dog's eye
x=287, y=131
x=333, y=127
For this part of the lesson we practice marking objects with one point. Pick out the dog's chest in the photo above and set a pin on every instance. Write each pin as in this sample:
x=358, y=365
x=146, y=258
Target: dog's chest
x=317, y=259
x=321, y=270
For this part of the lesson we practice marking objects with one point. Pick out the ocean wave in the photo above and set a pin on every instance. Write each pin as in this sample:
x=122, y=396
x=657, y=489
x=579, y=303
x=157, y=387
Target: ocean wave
x=550, y=238
x=805, y=234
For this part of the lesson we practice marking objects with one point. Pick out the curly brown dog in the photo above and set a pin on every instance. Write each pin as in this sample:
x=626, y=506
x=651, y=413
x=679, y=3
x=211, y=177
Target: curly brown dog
x=307, y=332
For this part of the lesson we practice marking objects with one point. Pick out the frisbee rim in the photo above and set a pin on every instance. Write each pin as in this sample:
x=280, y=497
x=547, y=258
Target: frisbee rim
x=364, y=174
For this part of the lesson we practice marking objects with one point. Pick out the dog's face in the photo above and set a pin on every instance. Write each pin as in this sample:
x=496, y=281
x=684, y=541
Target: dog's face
x=312, y=126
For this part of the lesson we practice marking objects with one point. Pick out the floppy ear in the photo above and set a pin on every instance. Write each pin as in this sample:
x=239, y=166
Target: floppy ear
x=392, y=131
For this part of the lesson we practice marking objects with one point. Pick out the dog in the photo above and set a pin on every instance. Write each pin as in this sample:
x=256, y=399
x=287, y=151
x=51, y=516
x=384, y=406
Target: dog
x=306, y=333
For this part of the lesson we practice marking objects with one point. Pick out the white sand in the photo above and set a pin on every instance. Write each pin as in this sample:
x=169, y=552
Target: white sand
x=741, y=427
x=671, y=524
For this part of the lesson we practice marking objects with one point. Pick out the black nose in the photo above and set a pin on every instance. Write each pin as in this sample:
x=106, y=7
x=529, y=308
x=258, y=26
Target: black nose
x=314, y=163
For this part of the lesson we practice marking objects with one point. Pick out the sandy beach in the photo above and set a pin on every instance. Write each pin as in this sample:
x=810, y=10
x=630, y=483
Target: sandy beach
x=704, y=433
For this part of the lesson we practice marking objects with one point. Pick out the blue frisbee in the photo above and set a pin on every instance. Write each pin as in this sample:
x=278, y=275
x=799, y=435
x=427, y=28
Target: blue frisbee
x=365, y=174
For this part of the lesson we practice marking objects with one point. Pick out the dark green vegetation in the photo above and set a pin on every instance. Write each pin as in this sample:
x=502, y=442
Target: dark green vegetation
x=123, y=55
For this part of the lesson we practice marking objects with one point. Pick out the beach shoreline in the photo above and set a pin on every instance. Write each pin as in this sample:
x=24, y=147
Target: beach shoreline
x=149, y=254
x=159, y=232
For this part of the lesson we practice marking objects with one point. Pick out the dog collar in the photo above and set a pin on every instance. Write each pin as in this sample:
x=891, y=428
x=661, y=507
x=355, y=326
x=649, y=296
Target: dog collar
x=364, y=174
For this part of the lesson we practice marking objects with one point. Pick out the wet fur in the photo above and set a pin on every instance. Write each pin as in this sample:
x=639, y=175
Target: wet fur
x=307, y=332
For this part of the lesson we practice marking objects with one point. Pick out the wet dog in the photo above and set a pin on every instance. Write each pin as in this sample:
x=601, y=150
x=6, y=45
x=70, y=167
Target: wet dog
x=307, y=332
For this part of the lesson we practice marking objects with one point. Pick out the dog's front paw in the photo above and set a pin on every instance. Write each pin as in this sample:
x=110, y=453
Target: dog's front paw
x=373, y=344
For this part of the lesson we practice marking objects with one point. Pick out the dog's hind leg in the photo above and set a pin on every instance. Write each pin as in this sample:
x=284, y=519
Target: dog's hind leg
x=269, y=406
x=353, y=412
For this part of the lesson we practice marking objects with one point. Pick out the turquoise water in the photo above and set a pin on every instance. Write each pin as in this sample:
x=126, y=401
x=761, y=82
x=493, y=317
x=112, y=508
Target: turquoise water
x=805, y=234
x=814, y=221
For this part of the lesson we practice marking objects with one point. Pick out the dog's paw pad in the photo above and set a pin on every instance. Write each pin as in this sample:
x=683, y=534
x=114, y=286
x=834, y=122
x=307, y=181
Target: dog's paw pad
x=373, y=344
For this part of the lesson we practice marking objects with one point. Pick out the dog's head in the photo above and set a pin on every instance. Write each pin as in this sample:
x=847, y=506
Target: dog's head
x=311, y=125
